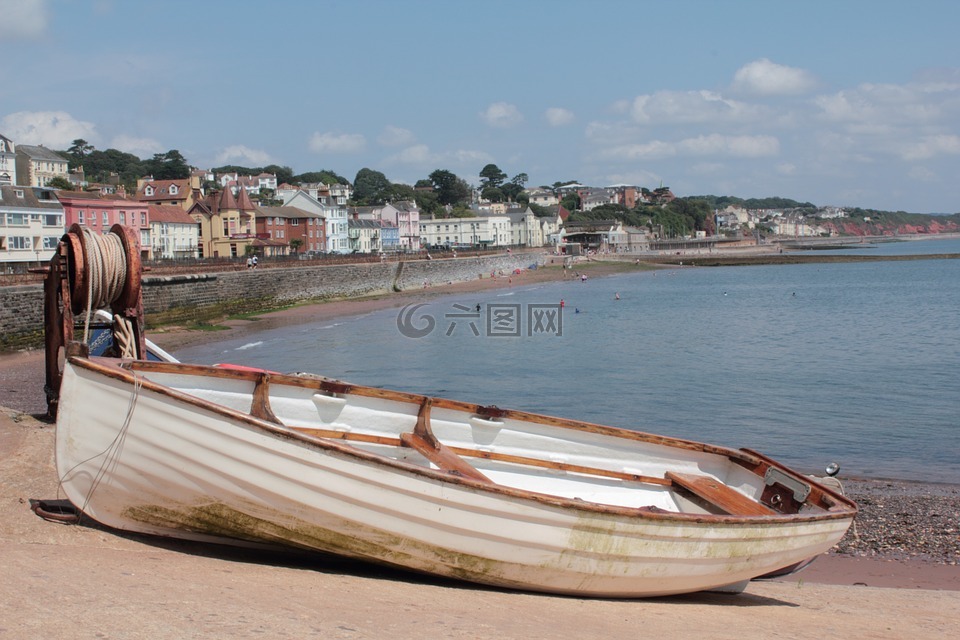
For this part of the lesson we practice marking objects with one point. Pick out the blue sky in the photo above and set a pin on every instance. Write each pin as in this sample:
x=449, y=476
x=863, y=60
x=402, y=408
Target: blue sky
x=838, y=103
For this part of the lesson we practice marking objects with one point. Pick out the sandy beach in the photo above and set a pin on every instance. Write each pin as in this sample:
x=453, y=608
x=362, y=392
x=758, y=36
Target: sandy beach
x=894, y=575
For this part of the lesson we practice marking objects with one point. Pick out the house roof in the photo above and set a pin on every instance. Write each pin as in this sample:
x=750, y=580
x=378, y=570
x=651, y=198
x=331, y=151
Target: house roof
x=285, y=212
x=364, y=224
x=39, y=153
x=162, y=190
x=168, y=213
x=29, y=200
x=243, y=201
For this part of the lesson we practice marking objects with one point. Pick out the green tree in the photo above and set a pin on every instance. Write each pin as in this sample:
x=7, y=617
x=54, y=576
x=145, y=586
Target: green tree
x=449, y=188
x=571, y=201
x=59, y=182
x=295, y=244
x=521, y=179
x=284, y=174
x=491, y=176
x=511, y=191
x=398, y=192
x=78, y=151
x=324, y=175
x=168, y=166
x=492, y=194
x=428, y=202
x=368, y=187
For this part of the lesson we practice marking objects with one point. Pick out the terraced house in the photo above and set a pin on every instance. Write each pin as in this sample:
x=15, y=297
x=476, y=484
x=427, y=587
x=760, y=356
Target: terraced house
x=37, y=165
x=31, y=223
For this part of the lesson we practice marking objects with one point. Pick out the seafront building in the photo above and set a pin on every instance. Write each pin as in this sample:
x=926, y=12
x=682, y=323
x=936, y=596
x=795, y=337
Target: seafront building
x=37, y=166
x=8, y=161
x=31, y=224
x=174, y=235
x=99, y=213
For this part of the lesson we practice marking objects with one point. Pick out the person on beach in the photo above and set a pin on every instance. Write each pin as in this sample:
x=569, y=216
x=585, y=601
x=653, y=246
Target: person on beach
x=249, y=263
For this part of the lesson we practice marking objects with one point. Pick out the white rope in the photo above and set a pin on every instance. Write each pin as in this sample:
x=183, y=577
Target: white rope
x=106, y=267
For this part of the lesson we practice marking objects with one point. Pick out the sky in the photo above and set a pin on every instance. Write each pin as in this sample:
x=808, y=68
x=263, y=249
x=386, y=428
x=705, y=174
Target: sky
x=852, y=103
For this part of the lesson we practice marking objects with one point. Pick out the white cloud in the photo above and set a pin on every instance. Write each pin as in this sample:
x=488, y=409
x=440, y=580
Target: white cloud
x=922, y=174
x=420, y=155
x=787, y=169
x=705, y=145
x=637, y=151
x=665, y=107
x=53, y=129
x=558, y=116
x=417, y=154
x=331, y=142
x=23, y=19
x=502, y=115
x=766, y=78
x=931, y=146
x=396, y=136
x=140, y=147
x=734, y=146
x=240, y=154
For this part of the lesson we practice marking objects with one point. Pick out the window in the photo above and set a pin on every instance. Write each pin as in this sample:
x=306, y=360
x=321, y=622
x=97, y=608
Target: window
x=80, y=216
x=20, y=242
x=17, y=219
x=18, y=193
x=123, y=217
x=50, y=242
x=143, y=218
x=174, y=190
x=148, y=191
x=295, y=222
x=52, y=220
x=106, y=219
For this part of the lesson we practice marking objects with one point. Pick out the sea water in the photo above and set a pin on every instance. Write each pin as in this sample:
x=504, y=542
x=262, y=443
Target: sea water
x=857, y=363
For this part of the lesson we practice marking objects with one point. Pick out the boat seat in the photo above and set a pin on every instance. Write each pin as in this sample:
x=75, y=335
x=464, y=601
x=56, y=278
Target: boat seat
x=426, y=444
x=442, y=456
x=718, y=495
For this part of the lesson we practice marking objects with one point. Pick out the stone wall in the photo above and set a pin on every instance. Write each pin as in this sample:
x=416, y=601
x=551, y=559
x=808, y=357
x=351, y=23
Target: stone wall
x=189, y=298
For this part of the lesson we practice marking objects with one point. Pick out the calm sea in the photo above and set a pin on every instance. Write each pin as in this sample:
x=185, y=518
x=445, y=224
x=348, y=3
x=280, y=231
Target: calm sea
x=854, y=363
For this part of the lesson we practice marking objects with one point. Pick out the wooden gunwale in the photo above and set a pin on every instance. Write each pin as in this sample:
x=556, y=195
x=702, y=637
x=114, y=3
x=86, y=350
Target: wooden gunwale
x=443, y=403
x=126, y=371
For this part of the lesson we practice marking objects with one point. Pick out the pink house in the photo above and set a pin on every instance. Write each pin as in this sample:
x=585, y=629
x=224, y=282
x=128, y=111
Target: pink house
x=99, y=213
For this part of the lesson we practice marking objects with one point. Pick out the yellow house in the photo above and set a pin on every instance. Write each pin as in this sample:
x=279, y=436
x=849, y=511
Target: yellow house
x=227, y=224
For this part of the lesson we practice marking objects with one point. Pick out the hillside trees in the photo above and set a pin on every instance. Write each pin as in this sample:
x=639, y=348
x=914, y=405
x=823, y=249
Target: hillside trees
x=449, y=188
x=369, y=186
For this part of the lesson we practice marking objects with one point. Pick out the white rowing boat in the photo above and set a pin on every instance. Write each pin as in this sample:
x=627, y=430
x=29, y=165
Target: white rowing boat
x=492, y=496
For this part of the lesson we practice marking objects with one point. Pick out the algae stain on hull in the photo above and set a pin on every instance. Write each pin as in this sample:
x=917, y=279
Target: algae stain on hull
x=221, y=520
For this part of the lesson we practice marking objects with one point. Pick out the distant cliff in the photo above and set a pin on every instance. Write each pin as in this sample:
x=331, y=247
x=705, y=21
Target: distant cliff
x=885, y=223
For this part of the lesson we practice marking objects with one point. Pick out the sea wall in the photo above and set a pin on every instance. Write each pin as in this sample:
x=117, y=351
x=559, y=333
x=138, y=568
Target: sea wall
x=206, y=296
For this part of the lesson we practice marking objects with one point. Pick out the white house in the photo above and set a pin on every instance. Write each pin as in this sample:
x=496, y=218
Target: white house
x=31, y=224
x=36, y=166
x=173, y=233
x=8, y=161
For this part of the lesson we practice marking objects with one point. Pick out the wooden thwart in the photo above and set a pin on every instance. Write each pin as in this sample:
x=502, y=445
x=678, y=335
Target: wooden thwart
x=719, y=495
x=426, y=444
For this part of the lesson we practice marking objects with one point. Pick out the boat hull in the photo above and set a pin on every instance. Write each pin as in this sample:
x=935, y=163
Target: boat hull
x=137, y=458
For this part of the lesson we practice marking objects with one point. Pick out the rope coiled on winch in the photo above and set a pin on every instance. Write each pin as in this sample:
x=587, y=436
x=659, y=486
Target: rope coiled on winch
x=106, y=268
x=106, y=265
